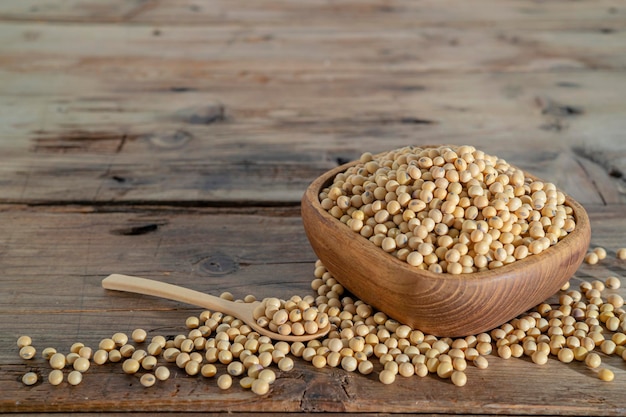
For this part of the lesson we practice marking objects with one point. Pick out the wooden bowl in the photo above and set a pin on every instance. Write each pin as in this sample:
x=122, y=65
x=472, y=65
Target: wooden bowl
x=439, y=304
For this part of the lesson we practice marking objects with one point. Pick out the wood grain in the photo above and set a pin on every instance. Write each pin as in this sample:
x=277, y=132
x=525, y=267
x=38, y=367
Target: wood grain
x=401, y=13
x=151, y=154
x=198, y=110
x=174, y=140
x=51, y=290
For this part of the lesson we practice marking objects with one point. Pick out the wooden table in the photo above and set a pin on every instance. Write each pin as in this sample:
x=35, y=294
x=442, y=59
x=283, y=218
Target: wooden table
x=173, y=140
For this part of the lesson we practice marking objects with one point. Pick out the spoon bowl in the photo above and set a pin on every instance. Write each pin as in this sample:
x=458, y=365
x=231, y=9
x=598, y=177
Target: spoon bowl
x=439, y=304
x=243, y=311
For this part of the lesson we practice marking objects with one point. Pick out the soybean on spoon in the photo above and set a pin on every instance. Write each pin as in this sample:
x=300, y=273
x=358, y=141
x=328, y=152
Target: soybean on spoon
x=243, y=311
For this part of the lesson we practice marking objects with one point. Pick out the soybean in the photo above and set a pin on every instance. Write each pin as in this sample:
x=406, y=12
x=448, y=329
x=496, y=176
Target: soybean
x=593, y=360
x=267, y=375
x=246, y=382
x=30, y=378
x=139, y=335
x=387, y=377
x=606, y=375
x=162, y=373
x=28, y=352
x=613, y=283
x=130, y=366
x=81, y=364
x=120, y=339
x=286, y=364
x=48, y=352
x=225, y=381
x=260, y=387
x=459, y=378
x=539, y=357
x=74, y=378
x=57, y=361
x=55, y=377
x=24, y=341
x=147, y=380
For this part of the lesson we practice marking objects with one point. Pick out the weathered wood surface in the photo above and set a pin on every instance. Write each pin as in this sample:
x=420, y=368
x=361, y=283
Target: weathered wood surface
x=158, y=111
x=173, y=140
x=188, y=12
x=54, y=261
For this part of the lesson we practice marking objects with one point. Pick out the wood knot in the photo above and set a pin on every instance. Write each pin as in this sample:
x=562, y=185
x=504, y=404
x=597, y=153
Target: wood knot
x=136, y=230
x=553, y=108
x=202, y=115
x=169, y=139
x=218, y=264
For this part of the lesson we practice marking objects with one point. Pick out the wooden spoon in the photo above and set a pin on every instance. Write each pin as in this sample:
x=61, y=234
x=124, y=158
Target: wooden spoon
x=243, y=311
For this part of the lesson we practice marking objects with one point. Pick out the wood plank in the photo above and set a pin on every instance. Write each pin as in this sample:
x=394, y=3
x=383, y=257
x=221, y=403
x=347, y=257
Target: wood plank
x=236, y=140
x=253, y=414
x=200, y=50
x=53, y=262
x=83, y=122
x=200, y=246
x=302, y=414
x=368, y=12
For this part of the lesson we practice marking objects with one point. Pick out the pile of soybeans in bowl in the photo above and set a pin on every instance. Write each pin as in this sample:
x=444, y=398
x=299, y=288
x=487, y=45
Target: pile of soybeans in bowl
x=452, y=209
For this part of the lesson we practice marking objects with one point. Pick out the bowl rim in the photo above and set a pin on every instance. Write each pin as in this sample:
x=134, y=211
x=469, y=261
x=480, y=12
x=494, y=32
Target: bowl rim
x=582, y=227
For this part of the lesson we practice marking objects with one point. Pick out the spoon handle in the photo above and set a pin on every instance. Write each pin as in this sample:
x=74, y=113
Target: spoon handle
x=154, y=288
